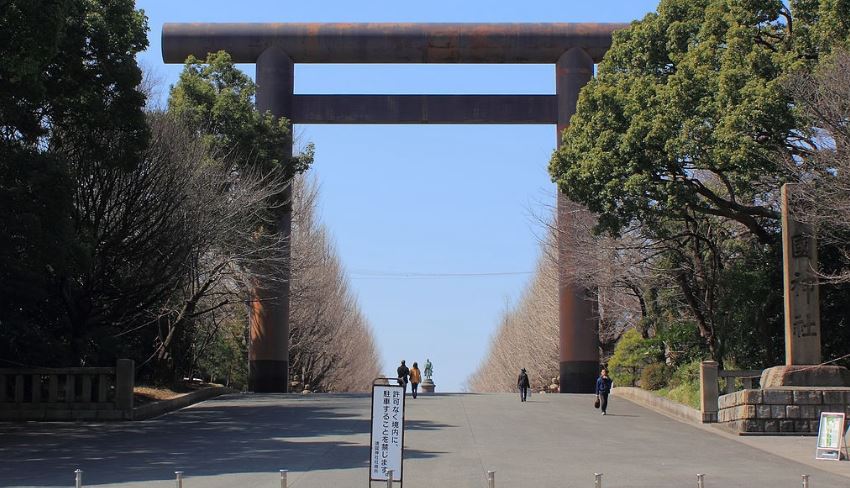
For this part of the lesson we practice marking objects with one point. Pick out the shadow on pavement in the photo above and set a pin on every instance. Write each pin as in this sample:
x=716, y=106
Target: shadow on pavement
x=231, y=434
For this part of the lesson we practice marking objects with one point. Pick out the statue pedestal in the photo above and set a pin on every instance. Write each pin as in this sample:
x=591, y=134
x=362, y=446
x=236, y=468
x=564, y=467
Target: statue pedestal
x=801, y=375
x=427, y=386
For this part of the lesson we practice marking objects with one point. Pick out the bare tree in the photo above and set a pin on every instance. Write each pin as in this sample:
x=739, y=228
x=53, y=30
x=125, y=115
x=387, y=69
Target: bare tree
x=331, y=344
x=220, y=214
x=823, y=199
x=527, y=336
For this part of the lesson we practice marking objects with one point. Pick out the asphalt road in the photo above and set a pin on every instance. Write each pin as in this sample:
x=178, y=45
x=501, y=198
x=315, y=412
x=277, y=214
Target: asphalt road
x=451, y=440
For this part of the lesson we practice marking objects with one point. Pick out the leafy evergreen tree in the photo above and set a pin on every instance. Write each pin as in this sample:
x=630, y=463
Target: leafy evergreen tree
x=70, y=108
x=217, y=100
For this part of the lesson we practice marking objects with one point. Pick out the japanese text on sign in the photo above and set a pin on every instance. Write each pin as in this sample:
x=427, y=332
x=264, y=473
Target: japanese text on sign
x=387, y=431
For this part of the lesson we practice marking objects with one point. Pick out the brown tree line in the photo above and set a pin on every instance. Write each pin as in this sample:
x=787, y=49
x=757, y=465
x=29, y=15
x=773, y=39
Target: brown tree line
x=209, y=211
x=332, y=347
x=527, y=335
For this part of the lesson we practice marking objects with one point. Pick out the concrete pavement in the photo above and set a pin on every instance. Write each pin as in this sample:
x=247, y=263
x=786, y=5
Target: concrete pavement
x=451, y=441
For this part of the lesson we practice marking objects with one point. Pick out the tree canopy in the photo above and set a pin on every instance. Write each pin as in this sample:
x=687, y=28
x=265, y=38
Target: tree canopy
x=217, y=99
x=70, y=109
x=688, y=110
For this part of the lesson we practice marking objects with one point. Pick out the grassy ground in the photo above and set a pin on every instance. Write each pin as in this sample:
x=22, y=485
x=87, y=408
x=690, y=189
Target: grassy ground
x=148, y=394
x=686, y=394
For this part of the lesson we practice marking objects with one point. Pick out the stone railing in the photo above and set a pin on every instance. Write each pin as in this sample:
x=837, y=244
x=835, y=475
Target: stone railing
x=709, y=376
x=68, y=393
x=750, y=378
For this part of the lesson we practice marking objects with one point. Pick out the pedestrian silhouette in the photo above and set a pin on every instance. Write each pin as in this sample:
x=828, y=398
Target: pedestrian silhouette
x=522, y=383
x=403, y=373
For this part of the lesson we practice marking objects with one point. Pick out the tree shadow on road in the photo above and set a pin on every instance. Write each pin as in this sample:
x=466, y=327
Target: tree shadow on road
x=229, y=435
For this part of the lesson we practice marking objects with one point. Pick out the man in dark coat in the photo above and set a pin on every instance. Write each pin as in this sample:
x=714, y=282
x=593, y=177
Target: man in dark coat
x=603, y=388
x=403, y=373
x=522, y=383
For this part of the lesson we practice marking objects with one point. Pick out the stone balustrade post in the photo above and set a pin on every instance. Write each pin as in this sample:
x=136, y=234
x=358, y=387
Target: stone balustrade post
x=125, y=378
x=708, y=391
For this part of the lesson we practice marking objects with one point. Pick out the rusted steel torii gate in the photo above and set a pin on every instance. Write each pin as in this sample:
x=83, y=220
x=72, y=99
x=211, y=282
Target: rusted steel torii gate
x=276, y=47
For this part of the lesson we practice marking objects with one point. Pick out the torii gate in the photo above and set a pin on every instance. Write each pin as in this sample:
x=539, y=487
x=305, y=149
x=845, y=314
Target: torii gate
x=276, y=47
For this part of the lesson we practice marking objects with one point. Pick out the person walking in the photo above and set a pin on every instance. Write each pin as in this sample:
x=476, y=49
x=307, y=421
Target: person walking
x=522, y=383
x=603, y=388
x=415, y=378
x=403, y=373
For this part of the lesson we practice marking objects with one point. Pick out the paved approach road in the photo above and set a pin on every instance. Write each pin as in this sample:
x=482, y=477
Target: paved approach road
x=451, y=441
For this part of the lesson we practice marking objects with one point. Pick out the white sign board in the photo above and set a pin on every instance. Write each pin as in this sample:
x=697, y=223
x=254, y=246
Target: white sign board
x=387, y=441
x=831, y=436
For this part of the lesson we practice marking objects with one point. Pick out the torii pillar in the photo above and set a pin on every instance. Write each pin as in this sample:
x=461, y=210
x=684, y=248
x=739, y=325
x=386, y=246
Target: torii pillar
x=268, y=354
x=578, y=322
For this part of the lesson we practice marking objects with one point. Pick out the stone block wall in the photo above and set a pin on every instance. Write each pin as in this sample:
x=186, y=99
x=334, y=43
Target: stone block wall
x=780, y=410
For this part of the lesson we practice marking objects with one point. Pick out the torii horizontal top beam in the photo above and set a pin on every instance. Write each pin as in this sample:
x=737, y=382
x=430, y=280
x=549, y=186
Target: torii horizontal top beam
x=540, y=43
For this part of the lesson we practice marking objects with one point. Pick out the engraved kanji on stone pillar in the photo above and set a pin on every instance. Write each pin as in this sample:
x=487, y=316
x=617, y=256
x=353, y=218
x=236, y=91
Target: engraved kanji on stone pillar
x=802, y=300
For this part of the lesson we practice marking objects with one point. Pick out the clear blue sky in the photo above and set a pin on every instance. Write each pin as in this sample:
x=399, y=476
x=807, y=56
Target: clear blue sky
x=417, y=198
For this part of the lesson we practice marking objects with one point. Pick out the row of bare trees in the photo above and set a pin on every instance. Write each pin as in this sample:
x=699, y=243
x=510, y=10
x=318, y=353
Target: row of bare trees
x=527, y=336
x=332, y=347
x=191, y=223
x=823, y=199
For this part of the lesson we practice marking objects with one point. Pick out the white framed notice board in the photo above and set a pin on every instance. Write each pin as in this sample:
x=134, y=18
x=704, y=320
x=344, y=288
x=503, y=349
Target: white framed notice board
x=386, y=443
x=831, y=436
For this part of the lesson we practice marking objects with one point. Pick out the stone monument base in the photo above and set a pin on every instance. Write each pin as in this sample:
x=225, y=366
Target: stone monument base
x=427, y=386
x=801, y=375
x=787, y=410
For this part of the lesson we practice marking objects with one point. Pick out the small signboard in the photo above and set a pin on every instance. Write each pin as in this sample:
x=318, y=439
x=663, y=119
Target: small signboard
x=386, y=444
x=831, y=436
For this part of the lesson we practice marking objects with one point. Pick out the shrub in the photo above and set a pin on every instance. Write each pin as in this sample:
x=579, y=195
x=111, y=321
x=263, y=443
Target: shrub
x=655, y=376
x=682, y=340
x=684, y=385
x=631, y=355
x=686, y=374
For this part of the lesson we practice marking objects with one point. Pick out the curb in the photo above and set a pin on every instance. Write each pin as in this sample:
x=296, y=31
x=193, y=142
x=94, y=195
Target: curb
x=659, y=404
x=156, y=409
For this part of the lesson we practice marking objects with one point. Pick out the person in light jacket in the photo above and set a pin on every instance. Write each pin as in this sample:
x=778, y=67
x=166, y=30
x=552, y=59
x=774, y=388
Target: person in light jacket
x=603, y=388
x=415, y=378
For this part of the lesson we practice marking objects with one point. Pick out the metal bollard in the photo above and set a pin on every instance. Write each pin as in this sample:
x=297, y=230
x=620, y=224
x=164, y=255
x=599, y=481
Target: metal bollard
x=597, y=480
x=78, y=478
x=389, y=478
x=491, y=479
x=179, y=478
x=283, y=478
x=700, y=481
x=805, y=481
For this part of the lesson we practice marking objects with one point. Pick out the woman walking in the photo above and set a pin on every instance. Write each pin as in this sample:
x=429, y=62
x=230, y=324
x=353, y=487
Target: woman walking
x=415, y=378
x=603, y=388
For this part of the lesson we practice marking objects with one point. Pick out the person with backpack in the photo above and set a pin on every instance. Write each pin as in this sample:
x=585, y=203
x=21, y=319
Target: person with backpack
x=403, y=373
x=523, y=384
x=603, y=388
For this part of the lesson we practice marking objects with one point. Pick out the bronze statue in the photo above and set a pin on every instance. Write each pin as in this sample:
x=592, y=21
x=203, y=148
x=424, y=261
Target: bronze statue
x=429, y=369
